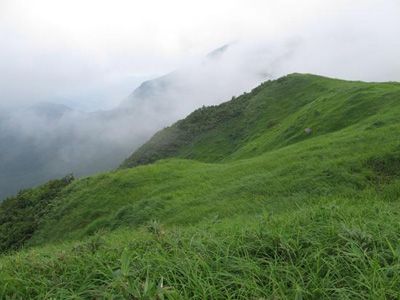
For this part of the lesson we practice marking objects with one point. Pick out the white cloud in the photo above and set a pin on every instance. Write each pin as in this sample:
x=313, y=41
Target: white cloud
x=90, y=53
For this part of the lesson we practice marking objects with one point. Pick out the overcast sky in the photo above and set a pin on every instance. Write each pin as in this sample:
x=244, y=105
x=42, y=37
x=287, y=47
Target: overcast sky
x=91, y=53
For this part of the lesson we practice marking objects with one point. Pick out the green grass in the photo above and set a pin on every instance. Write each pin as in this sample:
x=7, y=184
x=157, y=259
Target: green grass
x=235, y=201
x=181, y=192
x=272, y=116
x=337, y=248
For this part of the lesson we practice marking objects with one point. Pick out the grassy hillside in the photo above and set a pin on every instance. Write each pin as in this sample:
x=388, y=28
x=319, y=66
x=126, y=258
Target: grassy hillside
x=272, y=116
x=260, y=208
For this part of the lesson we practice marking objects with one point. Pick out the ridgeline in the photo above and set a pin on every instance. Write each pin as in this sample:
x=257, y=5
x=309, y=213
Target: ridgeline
x=289, y=191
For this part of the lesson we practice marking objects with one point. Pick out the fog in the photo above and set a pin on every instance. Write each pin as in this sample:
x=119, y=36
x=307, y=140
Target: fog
x=89, y=54
x=71, y=93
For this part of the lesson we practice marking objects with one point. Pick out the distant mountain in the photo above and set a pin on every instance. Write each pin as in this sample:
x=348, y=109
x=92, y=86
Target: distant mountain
x=159, y=88
x=218, y=52
x=50, y=140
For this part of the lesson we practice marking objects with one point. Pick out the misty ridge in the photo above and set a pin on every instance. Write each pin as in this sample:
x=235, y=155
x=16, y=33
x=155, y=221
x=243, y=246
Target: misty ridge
x=48, y=140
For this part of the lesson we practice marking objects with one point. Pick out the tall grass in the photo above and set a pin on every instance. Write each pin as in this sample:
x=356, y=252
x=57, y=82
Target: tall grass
x=335, y=248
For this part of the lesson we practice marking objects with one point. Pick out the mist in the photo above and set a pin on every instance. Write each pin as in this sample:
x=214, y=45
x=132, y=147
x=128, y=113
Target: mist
x=80, y=99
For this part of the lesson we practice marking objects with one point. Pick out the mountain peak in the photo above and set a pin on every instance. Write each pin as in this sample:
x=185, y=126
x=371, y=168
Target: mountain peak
x=217, y=53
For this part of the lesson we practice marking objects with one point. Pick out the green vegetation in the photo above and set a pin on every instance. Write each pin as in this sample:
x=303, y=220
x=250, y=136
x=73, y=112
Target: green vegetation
x=273, y=115
x=20, y=216
x=335, y=249
x=236, y=201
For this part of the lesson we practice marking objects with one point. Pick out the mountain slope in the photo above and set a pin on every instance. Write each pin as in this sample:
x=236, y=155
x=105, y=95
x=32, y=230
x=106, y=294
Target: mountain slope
x=353, y=123
x=273, y=115
x=260, y=210
x=49, y=140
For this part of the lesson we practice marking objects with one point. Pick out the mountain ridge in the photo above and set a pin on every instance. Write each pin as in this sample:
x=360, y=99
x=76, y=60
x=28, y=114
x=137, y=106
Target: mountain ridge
x=177, y=133
x=238, y=200
x=39, y=144
x=240, y=132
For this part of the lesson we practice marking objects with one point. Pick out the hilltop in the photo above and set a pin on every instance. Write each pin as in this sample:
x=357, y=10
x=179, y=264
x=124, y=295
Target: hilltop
x=272, y=116
x=236, y=200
